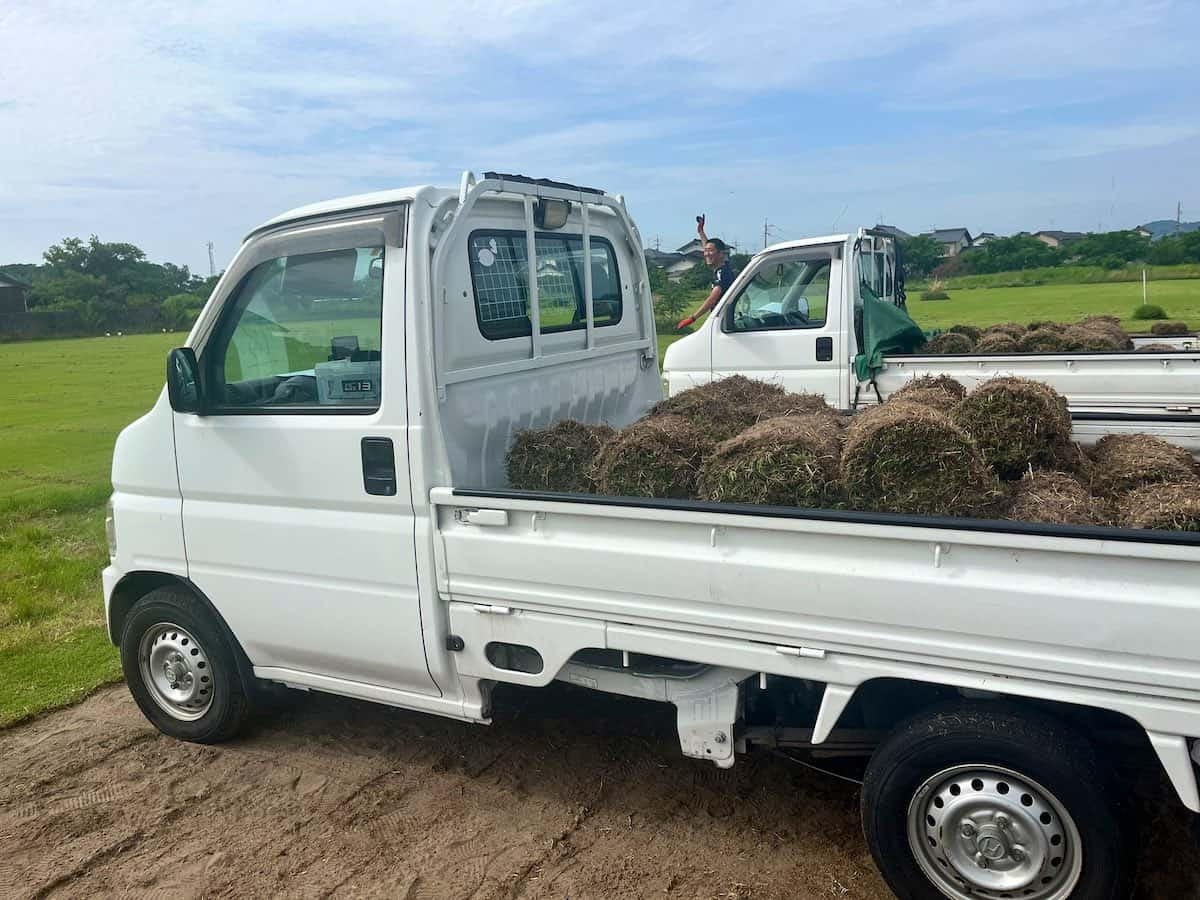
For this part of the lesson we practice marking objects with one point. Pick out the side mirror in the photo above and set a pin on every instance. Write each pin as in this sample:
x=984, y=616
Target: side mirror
x=183, y=381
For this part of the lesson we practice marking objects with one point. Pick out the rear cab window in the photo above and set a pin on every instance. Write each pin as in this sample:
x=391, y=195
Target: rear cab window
x=499, y=264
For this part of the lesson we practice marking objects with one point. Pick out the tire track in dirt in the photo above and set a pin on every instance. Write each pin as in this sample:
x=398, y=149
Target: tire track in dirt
x=568, y=794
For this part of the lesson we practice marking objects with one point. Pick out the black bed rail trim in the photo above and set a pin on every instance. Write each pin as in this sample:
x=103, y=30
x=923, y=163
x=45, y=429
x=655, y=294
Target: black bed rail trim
x=992, y=526
x=1134, y=417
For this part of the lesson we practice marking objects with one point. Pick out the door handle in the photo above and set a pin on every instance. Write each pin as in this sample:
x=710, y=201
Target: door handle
x=824, y=349
x=481, y=516
x=379, y=466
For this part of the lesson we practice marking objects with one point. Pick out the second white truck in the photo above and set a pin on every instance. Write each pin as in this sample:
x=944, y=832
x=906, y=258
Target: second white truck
x=794, y=317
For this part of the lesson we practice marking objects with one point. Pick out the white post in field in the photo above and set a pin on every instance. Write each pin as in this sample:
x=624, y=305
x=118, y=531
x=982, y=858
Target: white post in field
x=1143, y=287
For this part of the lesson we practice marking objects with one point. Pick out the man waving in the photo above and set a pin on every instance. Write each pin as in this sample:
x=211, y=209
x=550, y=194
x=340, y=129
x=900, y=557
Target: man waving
x=716, y=256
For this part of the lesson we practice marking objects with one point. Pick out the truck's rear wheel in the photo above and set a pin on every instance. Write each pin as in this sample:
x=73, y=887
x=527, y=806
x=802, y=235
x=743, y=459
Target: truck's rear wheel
x=181, y=668
x=970, y=802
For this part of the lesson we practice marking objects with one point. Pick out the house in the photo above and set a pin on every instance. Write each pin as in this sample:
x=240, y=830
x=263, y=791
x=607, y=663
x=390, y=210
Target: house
x=12, y=294
x=674, y=264
x=983, y=237
x=1143, y=231
x=953, y=240
x=1058, y=238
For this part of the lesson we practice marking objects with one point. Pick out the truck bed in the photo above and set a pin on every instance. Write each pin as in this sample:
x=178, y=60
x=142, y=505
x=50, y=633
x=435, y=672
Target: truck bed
x=1060, y=611
x=1148, y=384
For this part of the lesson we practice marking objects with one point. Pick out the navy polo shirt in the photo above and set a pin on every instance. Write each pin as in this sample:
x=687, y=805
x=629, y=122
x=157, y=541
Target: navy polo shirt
x=722, y=276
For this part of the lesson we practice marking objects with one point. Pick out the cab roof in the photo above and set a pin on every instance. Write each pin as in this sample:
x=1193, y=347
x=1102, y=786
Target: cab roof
x=352, y=203
x=808, y=242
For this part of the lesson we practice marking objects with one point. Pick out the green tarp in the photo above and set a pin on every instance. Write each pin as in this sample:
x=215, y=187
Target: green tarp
x=886, y=328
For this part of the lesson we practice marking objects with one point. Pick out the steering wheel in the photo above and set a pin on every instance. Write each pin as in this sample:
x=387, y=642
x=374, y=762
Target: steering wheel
x=792, y=313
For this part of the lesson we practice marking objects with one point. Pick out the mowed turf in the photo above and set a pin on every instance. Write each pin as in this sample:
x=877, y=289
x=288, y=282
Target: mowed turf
x=1058, y=302
x=62, y=404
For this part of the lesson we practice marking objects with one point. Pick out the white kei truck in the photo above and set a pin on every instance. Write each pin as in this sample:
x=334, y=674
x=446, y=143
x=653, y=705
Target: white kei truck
x=318, y=500
x=794, y=316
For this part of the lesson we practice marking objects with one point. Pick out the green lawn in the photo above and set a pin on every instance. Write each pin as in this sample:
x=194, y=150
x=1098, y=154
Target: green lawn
x=1058, y=302
x=61, y=406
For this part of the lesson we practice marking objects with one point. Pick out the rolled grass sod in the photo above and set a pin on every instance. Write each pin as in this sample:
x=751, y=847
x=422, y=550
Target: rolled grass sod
x=941, y=392
x=721, y=408
x=1053, y=497
x=787, y=461
x=659, y=456
x=948, y=342
x=558, y=458
x=1018, y=424
x=1167, y=507
x=1125, y=462
x=905, y=458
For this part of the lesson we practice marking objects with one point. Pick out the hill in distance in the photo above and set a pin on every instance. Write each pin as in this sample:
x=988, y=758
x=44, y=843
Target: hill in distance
x=1166, y=227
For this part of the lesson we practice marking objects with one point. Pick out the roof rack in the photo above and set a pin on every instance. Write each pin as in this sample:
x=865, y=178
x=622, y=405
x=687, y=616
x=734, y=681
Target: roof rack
x=541, y=182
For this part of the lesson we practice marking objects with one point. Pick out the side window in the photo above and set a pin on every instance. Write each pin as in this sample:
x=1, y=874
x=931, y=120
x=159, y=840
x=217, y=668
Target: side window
x=500, y=277
x=789, y=294
x=302, y=331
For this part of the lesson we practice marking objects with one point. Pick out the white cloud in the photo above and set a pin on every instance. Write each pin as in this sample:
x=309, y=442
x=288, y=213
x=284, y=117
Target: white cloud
x=170, y=124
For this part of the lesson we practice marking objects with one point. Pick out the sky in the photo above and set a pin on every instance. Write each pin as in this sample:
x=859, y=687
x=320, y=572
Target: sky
x=170, y=124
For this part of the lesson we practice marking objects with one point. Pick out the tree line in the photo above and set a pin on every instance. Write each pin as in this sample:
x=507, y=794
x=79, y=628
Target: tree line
x=1110, y=250
x=94, y=286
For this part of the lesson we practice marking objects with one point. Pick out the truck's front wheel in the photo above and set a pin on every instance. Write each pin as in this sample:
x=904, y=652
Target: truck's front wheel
x=968, y=802
x=181, y=668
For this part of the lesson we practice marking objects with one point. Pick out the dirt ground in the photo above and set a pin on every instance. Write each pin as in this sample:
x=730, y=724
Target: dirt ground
x=568, y=794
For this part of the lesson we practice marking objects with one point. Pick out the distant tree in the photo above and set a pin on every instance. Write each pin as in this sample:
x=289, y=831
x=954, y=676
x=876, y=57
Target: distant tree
x=921, y=255
x=1021, y=251
x=1110, y=249
x=1172, y=250
x=112, y=285
x=658, y=277
x=670, y=304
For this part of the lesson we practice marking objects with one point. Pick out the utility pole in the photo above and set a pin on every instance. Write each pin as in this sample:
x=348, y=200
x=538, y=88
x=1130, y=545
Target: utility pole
x=212, y=263
x=767, y=229
x=1178, y=216
x=658, y=242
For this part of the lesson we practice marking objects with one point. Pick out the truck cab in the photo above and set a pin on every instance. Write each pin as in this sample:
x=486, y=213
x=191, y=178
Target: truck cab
x=790, y=317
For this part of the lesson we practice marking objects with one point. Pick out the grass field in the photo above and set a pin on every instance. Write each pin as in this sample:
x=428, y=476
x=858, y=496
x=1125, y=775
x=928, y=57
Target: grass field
x=63, y=402
x=1058, y=302
x=61, y=406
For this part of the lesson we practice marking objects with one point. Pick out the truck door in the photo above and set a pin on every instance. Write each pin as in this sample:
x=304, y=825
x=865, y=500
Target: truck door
x=786, y=324
x=297, y=511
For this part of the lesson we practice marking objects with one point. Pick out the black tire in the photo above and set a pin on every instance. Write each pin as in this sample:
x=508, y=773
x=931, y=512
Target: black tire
x=216, y=717
x=1027, y=743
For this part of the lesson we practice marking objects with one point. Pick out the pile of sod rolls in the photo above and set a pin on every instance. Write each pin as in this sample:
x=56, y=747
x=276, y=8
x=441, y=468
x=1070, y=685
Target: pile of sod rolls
x=1094, y=333
x=1004, y=450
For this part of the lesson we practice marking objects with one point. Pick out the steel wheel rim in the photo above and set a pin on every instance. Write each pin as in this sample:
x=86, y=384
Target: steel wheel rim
x=176, y=671
x=985, y=831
